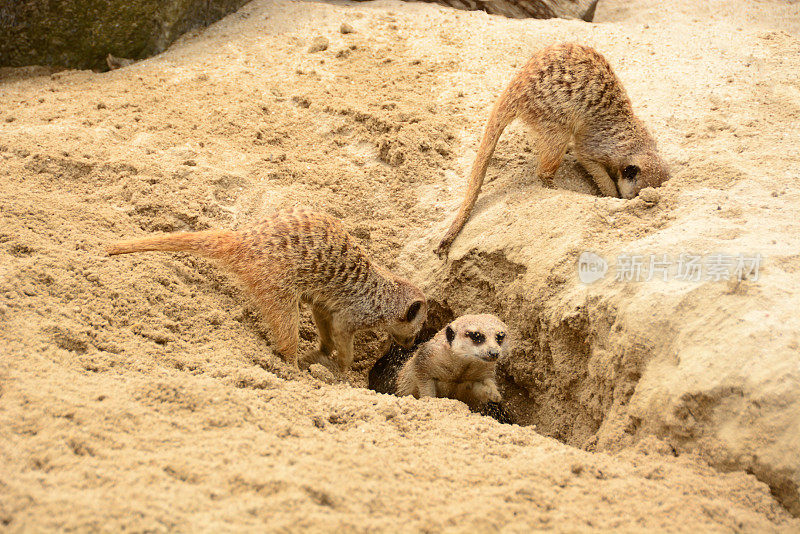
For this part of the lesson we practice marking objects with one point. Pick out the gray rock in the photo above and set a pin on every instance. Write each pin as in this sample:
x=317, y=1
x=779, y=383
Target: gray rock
x=525, y=9
x=81, y=34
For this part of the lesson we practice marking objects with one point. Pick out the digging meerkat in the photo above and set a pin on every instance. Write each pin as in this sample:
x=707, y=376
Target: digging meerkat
x=567, y=93
x=458, y=362
x=303, y=256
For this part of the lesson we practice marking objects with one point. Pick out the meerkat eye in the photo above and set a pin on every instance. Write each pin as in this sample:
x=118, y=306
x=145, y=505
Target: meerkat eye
x=450, y=334
x=476, y=337
x=413, y=310
x=500, y=337
x=630, y=172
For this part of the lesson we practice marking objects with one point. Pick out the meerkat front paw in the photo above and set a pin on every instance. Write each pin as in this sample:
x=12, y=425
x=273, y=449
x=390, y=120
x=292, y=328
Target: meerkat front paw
x=317, y=356
x=493, y=393
x=487, y=391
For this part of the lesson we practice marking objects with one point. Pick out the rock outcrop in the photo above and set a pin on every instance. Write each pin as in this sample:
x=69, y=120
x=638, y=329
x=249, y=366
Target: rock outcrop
x=81, y=33
x=524, y=9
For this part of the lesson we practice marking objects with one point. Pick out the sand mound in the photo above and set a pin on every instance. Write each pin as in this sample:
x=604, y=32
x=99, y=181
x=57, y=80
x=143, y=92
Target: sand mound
x=140, y=392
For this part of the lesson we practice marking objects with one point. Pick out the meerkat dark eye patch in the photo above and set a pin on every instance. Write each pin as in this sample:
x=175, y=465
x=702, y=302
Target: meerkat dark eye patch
x=500, y=337
x=630, y=172
x=476, y=337
x=413, y=310
x=450, y=334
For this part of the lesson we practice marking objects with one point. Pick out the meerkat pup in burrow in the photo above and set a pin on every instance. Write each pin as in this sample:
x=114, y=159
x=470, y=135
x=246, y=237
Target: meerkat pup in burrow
x=567, y=93
x=303, y=256
x=458, y=362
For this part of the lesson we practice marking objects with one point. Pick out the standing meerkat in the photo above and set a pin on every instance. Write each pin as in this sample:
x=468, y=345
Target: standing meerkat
x=568, y=93
x=458, y=362
x=303, y=256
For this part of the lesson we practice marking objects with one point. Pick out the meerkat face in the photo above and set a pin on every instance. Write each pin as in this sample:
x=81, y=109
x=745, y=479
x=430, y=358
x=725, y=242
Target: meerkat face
x=636, y=173
x=482, y=337
x=404, y=329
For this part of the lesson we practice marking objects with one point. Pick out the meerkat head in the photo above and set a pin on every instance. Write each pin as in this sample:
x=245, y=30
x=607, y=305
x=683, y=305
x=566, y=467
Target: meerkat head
x=408, y=315
x=483, y=337
x=640, y=171
x=642, y=168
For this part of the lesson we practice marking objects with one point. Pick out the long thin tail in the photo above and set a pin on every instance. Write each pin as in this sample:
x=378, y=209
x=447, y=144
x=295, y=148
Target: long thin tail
x=498, y=120
x=209, y=243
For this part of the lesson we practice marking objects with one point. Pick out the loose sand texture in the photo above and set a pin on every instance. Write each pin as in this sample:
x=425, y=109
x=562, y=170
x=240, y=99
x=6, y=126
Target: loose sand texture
x=141, y=393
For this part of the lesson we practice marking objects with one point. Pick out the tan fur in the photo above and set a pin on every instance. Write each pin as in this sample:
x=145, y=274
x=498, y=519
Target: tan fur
x=301, y=255
x=458, y=368
x=568, y=93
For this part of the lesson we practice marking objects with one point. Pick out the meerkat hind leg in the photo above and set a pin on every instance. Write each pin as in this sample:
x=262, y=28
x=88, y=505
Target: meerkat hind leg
x=552, y=142
x=322, y=354
x=281, y=312
x=323, y=321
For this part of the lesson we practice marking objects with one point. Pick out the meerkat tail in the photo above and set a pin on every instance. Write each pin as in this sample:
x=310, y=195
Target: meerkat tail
x=210, y=243
x=498, y=120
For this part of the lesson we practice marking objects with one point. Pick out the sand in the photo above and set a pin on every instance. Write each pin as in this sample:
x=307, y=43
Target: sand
x=140, y=393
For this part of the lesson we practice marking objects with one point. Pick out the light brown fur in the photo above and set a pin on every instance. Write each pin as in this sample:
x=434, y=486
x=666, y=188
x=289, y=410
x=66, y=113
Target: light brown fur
x=302, y=255
x=453, y=365
x=568, y=93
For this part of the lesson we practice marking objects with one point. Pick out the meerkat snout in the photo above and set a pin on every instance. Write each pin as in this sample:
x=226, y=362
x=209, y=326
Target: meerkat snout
x=486, y=346
x=628, y=182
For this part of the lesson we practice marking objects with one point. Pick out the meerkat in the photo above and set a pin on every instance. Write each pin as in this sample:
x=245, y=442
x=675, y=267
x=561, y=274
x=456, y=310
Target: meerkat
x=458, y=362
x=304, y=256
x=567, y=93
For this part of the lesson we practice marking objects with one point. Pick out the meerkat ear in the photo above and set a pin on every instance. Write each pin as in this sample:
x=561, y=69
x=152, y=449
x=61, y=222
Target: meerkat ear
x=630, y=172
x=450, y=334
x=413, y=310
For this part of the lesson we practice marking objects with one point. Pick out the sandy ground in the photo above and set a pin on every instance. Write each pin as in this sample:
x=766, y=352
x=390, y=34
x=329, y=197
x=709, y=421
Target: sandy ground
x=140, y=393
